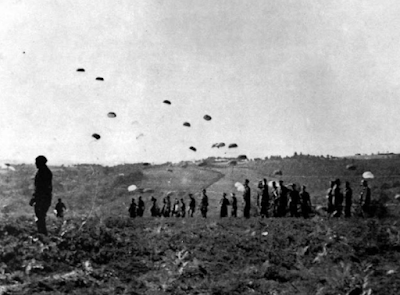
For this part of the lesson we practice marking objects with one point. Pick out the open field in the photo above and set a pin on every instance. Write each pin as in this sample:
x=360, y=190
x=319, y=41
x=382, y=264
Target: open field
x=99, y=250
x=197, y=256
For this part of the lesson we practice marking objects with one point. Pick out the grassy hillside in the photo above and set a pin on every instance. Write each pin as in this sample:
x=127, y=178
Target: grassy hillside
x=103, y=190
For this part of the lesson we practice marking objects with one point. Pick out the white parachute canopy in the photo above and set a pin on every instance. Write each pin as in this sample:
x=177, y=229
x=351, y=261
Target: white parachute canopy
x=368, y=175
x=132, y=188
x=397, y=197
x=271, y=182
x=239, y=187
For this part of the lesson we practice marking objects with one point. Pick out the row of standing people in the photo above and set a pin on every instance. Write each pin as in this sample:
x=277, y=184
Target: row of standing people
x=282, y=198
x=279, y=201
x=177, y=209
x=335, y=199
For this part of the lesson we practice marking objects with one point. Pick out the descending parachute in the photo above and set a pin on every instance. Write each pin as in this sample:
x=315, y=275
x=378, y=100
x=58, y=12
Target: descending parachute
x=132, y=188
x=187, y=124
x=207, y=117
x=95, y=135
x=193, y=148
x=232, y=145
x=221, y=144
x=351, y=167
x=242, y=157
x=278, y=172
x=80, y=70
x=368, y=175
x=166, y=102
x=397, y=197
x=111, y=115
x=100, y=79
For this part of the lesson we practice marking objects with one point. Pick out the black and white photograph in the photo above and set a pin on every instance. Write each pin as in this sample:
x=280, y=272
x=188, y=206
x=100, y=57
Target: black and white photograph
x=200, y=147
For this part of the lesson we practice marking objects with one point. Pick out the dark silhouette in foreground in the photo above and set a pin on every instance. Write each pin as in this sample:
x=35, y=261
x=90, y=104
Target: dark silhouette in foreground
x=43, y=192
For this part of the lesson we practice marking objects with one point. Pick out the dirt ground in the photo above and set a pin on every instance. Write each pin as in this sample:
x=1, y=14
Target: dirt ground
x=197, y=256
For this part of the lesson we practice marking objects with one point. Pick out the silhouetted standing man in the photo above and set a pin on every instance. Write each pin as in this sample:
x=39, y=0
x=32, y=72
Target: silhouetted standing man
x=275, y=199
x=283, y=199
x=204, y=204
x=348, y=195
x=183, y=208
x=140, y=209
x=331, y=207
x=154, y=210
x=43, y=192
x=264, y=195
x=365, y=198
x=234, y=205
x=305, y=202
x=224, y=206
x=338, y=199
x=60, y=207
x=192, y=205
x=246, y=199
x=132, y=209
x=294, y=201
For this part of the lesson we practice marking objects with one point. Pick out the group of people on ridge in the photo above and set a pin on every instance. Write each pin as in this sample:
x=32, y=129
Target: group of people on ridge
x=279, y=201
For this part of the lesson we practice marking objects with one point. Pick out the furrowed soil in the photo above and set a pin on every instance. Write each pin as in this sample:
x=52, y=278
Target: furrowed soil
x=201, y=256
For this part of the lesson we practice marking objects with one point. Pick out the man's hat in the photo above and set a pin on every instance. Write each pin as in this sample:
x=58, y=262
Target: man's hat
x=41, y=160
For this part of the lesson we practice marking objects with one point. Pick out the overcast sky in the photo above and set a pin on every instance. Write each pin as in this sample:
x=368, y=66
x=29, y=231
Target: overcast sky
x=318, y=77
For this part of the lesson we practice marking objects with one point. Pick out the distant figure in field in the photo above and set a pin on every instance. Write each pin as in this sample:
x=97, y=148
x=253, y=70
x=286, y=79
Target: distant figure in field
x=166, y=209
x=224, y=206
x=60, y=207
x=175, y=208
x=348, y=196
x=154, y=210
x=204, y=204
x=234, y=205
x=246, y=199
x=132, y=209
x=275, y=199
x=192, y=205
x=43, y=193
x=140, y=209
x=294, y=201
x=183, y=209
x=264, y=196
x=305, y=202
x=331, y=207
x=365, y=198
x=283, y=199
x=337, y=199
